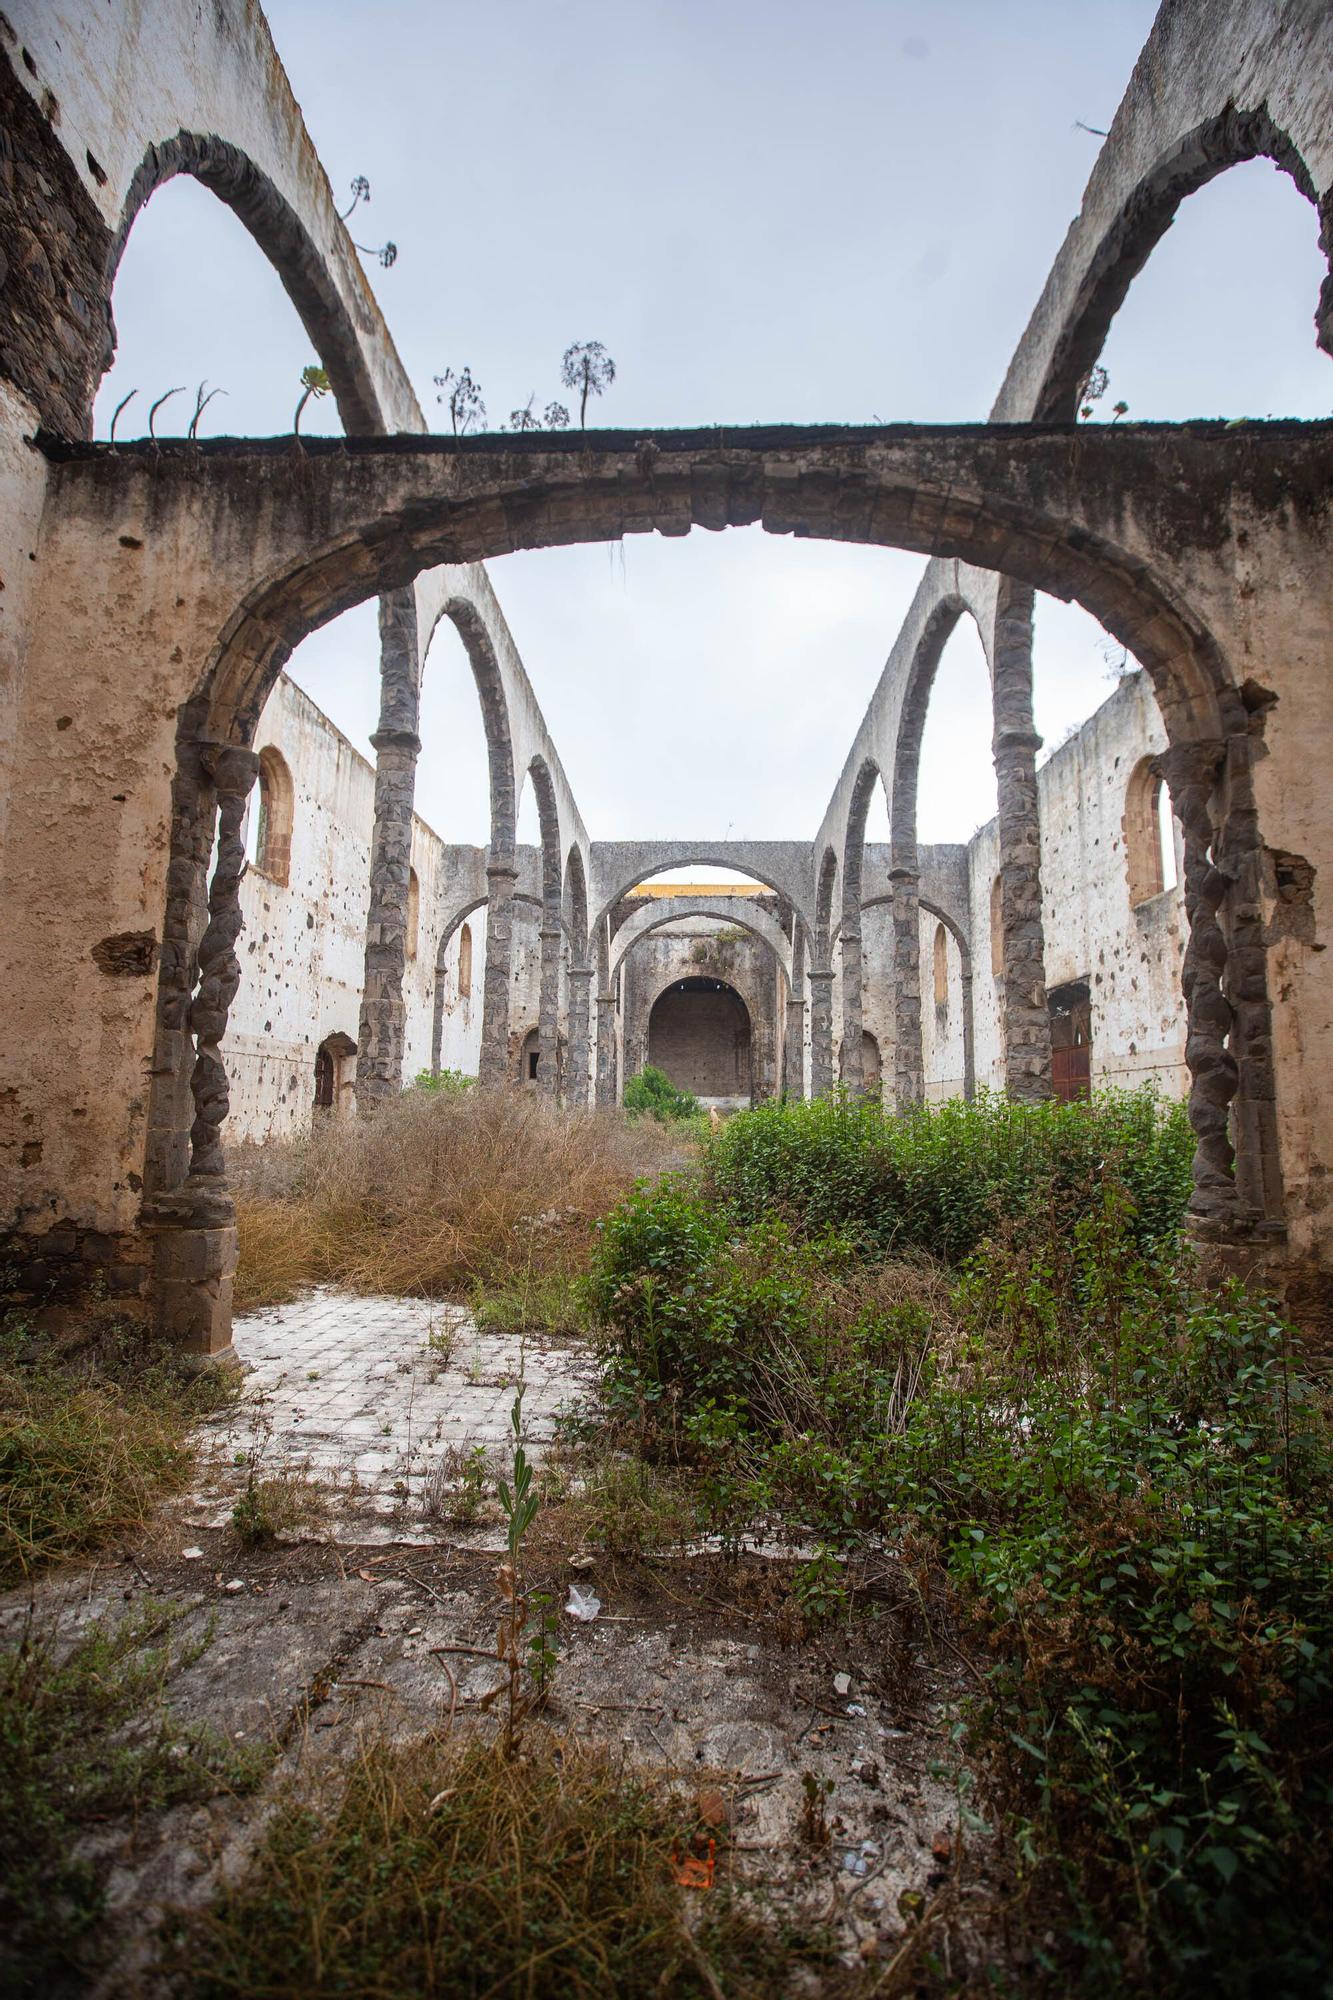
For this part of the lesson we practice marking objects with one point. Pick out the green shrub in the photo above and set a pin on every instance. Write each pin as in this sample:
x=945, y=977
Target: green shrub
x=939, y=1178
x=447, y=1082
x=653, y=1092
x=1127, y=1480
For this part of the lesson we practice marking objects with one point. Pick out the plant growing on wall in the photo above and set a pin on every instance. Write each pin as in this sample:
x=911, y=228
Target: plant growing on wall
x=314, y=382
x=588, y=370
x=462, y=396
x=387, y=252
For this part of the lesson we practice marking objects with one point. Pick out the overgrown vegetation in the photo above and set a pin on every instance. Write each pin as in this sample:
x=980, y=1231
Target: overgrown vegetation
x=86, y=1739
x=1124, y=1479
x=94, y=1428
x=652, y=1092
x=435, y=1867
x=438, y=1194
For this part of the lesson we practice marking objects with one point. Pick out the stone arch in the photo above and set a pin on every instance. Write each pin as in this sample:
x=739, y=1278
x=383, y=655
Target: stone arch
x=1143, y=840
x=264, y=212
x=657, y=916
x=853, y=864
x=470, y=624
x=905, y=862
x=552, y=928
x=1222, y=141
x=275, y=811
x=968, y=494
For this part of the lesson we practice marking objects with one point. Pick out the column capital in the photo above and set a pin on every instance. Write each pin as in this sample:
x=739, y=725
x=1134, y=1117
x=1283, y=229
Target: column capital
x=501, y=871
x=578, y=972
x=814, y=973
x=231, y=766
x=1016, y=739
x=396, y=739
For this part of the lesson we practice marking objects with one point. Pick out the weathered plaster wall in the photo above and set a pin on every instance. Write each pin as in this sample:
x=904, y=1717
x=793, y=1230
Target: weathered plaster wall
x=302, y=950
x=1131, y=958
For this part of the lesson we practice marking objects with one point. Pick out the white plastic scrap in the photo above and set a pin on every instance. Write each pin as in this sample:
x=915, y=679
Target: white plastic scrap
x=842, y=1683
x=582, y=1604
x=191, y=1555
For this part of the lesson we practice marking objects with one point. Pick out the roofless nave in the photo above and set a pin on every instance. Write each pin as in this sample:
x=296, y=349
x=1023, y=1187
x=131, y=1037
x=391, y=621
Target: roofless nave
x=153, y=595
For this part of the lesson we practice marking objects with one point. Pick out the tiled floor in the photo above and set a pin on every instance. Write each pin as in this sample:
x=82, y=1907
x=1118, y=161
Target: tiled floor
x=369, y=1395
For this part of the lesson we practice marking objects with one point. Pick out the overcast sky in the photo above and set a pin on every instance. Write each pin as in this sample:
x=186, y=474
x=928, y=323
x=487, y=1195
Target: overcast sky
x=767, y=212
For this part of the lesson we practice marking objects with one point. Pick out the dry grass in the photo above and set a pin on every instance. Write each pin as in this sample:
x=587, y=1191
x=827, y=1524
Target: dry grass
x=430, y=1868
x=435, y=1195
x=94, y=1429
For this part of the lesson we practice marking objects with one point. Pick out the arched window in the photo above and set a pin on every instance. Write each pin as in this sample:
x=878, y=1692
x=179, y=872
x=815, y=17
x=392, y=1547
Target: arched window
x=271, y=814
x=997, y=926
x=465, y=963
x=1150, y=838
x=941, y=959
x=413, y=912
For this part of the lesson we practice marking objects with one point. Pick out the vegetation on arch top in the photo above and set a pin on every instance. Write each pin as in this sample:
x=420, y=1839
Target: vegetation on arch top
x=718, y=437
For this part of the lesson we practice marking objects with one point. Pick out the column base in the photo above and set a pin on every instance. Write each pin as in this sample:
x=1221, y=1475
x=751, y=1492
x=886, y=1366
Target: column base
x=194, y=1264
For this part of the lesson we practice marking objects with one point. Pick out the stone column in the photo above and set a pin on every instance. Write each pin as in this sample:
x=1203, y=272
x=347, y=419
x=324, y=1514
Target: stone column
x=1026, y=1021
x=498, y=976
x=793, y=1051
x=194, y=1225
x=821, y=1032
x=606, y=1050
x=548, y=1009
x=380, y=1035
x=580, y=995
x=909, y=1085
x=1214, y=1075
x=969, y=1033
x=851, y=1067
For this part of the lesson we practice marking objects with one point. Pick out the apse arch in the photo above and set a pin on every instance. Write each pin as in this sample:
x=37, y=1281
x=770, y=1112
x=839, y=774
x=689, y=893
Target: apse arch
x=700, y=1032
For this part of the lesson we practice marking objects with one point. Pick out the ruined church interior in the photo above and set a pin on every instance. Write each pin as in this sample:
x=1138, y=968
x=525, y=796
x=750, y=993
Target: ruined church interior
x=459, y=867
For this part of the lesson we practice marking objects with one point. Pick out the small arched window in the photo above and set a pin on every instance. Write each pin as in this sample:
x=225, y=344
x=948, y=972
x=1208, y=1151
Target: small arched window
x=1150, y=838
x=997, y=926
x=413, y=912
x=941, y=967
x=271, y=817
x=465, y=963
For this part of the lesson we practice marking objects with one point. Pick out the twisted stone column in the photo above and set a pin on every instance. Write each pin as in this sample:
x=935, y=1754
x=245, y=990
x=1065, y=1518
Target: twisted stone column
x=233, y=772
x=908, y=1064
x=1191, y=773
x=1026, y=1020
x=606, y=1050
x=498, y=976
x=194, y=1224
x=851, y=1065
x=548, y=1010
x=383, y=1019
x=580, y=996
x=821, y=1032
